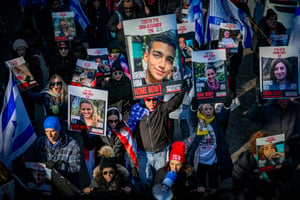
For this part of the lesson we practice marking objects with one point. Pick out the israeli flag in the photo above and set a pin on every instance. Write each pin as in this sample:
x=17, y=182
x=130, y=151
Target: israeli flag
x=17, y=133
x=295, y=32
x=225, y=11
x=195, y=15
x=80, y=16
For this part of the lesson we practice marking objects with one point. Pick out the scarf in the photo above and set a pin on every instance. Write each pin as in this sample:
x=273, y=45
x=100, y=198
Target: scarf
x=213, y=87
x=202, y=124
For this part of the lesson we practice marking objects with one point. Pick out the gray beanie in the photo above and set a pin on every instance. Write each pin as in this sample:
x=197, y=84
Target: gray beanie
x=19, y=43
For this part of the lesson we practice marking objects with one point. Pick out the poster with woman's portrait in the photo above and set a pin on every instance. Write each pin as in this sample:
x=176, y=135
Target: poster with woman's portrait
x=86, y=109
x=270, y=153
x=153, y=55
x=229, y=36
x=210, y=75
x=21, y=73
x=64, y=26
x=38, y=178
x=278, y=72
x=100, y=56
x=84, y=74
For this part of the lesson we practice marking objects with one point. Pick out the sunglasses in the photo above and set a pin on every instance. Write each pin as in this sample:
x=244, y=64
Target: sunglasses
x=128, y=8
x=117, y=73
x=113, y=121
x=108, y=172
x=56, y=83
x=154, y=99
x=63, y=48
x=64, y=25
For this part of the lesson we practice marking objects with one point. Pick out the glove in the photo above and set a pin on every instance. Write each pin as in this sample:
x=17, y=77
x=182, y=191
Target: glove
x=50, y=164
x=55, y=109
x=194, y=103
x=228, y=101
x=184, y=86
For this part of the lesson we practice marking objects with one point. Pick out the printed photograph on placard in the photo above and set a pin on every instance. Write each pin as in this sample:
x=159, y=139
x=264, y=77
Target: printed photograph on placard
x=86, y=109
x=100, y=56
x=186, y=35
x=38, y=178
x=64, y=26
x=21, y=73
x=280, y=40
x=229, y=36
x=153, y=54
x=270, y=152
x=278, y=72
x=210, y=78
x=84, y=74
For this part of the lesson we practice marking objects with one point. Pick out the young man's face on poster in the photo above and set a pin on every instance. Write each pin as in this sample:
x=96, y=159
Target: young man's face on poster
x=159, y=58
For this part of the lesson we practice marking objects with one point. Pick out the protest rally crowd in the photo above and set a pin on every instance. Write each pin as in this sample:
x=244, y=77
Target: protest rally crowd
x=94, y=133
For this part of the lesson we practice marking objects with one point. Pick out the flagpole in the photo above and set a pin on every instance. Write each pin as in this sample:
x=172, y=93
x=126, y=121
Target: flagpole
x=256, y=27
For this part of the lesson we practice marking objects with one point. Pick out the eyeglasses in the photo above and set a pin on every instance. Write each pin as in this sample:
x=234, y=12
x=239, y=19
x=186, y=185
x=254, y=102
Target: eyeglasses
x=153, y=99
x=128, y=8
x=108, y=172
x=59, y=83
x=63, y=48
x=113, y=121
x=117, y=73
x=64, y=25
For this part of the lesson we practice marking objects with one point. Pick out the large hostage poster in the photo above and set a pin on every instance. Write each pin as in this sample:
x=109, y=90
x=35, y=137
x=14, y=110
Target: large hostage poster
x=153, y=53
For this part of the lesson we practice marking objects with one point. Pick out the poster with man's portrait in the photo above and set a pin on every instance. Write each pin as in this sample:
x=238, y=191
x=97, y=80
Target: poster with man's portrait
x=21, y=73
x=186, y=35
x=84, y=74
x=210, y=75
x=278, y=72
x=153, y=54
x=229, y=35
x=270, y=152
x=87, y=109
x=64, y=26
x=38, y=178
x=100, y=56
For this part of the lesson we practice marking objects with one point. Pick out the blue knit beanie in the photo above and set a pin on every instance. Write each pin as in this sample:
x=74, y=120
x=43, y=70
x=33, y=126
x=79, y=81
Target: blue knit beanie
x=52, y=122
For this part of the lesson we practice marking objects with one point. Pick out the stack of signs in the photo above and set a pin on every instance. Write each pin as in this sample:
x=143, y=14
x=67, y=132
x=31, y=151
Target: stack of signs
x=228, y=34
x=22, y=75
x=86, y=109
x=210, y=78
x=38, y=178
x=270, y=152
x=84, y=74
x=100, y=56
x=186, y=33
x=154, y=56
x=64, y=26
x=278, y=72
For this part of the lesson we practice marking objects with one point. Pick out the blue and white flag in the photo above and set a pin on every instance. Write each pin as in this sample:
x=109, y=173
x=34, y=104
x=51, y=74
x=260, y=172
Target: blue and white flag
x=295, y=32
x=195, y=15
x=80, y=16
x=17, y=133
x=225, y=11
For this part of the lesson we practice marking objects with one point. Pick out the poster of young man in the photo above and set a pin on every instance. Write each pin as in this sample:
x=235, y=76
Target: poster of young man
x=154, y=57
x=186, y=32
x=22, y=75
x=270, y=152
x=64, y=26
x=229, y=35
x=100, y=56
x=210, y=75
x=84, y=74
x=38, y=178
x=278, y=72
x=86, y=109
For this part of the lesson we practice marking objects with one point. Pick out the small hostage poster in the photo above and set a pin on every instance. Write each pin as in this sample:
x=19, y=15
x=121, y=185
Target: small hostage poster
x=100, y=56
x=186, y=35
x=38, y=178
x=154, y=57
x=86, y=109
x=21, y=73
x=64, y=26
x=210, y=75
x=229, y=37
x=84, y=74
x=270, y=152
x=278, y=72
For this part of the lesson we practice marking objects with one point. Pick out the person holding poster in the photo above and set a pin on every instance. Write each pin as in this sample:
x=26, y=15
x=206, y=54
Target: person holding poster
x=160, y=57
x=281, y=75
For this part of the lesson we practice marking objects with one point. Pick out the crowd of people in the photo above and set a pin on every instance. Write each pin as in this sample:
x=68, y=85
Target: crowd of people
x=139, y=148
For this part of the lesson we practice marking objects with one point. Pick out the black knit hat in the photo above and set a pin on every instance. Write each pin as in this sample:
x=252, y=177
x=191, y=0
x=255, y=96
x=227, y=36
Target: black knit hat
x=116, y=66
x=108, y=162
